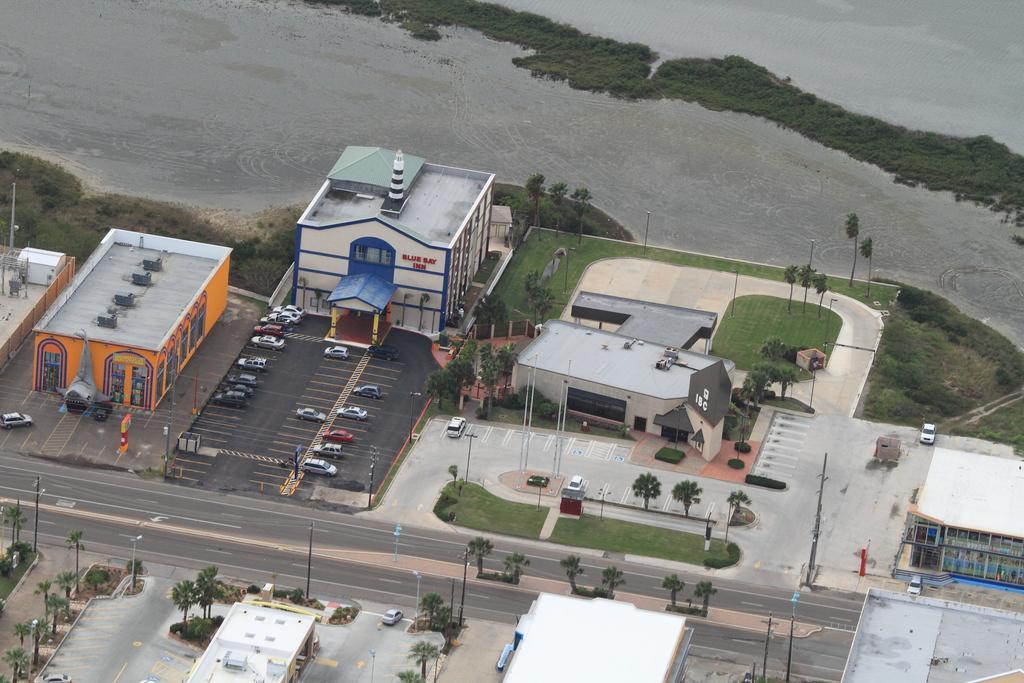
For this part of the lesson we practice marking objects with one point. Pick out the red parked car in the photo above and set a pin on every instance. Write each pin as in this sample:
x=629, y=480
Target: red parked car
x=338, y=436
x=272, y=330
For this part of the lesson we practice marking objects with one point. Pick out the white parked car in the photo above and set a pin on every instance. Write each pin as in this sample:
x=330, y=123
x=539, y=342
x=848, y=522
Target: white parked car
x=928, y=434
x=12, y=420
x=351, y=413
x=311, y=414
x=336, y=352
x=391, y=617
x=291, y=310
x=575, y=484
x=915, y=586
x=456, y=426
x=268, y=342
x=318, y=466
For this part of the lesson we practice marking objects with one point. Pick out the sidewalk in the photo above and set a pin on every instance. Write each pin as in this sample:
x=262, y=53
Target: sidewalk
x=24, y=605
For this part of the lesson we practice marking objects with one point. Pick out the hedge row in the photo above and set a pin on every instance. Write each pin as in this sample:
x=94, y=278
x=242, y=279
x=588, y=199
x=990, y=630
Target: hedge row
x=733, y=556
x=766, y=482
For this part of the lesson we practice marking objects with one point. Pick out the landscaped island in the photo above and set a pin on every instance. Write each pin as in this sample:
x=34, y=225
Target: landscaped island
x=976, y=169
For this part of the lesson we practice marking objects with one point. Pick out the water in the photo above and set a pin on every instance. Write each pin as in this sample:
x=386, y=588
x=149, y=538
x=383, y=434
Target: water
x=941, y=65
x=238, y=104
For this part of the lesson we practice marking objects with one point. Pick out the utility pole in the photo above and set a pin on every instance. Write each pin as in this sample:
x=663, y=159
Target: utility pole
x=35, y=525
x=792, y=619
x=810, y=261
x=373, y=463
x=465, y=570
x=309, y=559
x=170, y=421
x=135, y=540
x=469, y=455
x=767, y=639
x=817, y=523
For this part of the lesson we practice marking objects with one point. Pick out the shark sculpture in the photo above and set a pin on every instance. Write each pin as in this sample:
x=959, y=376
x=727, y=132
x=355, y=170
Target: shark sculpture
x=82, y=393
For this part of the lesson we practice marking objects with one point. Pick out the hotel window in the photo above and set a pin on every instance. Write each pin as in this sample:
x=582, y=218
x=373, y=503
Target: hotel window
x=373, y=255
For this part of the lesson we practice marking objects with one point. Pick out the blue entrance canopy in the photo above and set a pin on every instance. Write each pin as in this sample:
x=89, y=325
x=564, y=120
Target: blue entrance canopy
x=367, y=288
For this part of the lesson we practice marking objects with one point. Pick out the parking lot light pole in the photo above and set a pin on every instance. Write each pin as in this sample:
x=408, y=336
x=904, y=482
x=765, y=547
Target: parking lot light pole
x=373, y=662
x=469, y=455
x=412, y=394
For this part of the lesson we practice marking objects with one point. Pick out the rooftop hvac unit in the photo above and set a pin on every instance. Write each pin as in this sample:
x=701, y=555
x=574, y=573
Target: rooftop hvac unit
x=671, y=352
x=153, y=264
x=124, y=299
x=234, y=661
x=663, y=364
x=106, y=320
x=143, y=279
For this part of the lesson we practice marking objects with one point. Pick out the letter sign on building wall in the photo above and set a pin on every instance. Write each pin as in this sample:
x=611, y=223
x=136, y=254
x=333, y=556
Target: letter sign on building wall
x=419, y=262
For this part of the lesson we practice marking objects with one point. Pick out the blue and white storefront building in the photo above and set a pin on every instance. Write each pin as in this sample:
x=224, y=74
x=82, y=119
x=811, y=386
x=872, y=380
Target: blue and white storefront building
x=393, y=237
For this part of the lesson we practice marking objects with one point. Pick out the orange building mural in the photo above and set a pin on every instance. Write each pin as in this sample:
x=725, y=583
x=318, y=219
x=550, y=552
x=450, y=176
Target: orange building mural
x=142, y=304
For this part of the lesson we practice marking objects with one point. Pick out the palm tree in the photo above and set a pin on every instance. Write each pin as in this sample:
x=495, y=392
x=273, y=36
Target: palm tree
x=820, y=286
x=735, y=500
x=424, y=298
x=410, y=677
x=541, y=300
x=704, y=591
x=581, y=197
x=491, y=310
x=673, y=584
x=22, y=629
x=454, y=471
x=66, y=581
x=514, y=565
x=573, y=568
x=74, y=540
x=687, y=492
x=55, y=605
x=208, y=589
x=535, y=190
x=431, y=605
x=184, y=595
x=17, y=659
x=806, y=277
x=647, y=486
x=852, y=231
x=480, y=548
x=14, y=516
x=611, y=578
x=790, y=275
x=507, y=359
x=773, y=348
x=43, y=588
x=558, y=192
x=422, y=652
x=867, y=247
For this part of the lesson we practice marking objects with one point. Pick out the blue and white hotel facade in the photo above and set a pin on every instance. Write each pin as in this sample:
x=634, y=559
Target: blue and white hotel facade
x=393, y=237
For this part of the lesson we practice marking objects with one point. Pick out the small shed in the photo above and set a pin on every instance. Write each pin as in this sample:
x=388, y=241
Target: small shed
x=887, y=449
x=501, y=221
x=811, y=359
x=572, y=501
x=42, y=266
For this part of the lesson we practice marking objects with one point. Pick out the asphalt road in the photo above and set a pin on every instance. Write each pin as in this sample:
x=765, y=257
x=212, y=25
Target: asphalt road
x=256, y=539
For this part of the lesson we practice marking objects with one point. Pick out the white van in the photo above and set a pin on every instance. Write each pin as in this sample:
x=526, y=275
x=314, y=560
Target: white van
x=456, y=426
x=915, y=586
x=328, y=450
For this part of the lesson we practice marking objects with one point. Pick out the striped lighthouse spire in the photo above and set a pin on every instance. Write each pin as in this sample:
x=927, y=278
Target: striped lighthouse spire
x=397, y=182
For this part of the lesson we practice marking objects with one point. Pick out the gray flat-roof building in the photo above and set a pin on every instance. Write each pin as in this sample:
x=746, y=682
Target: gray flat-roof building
x=917, y=639
x=660, y=323
x=647, y=386
x=421, y=228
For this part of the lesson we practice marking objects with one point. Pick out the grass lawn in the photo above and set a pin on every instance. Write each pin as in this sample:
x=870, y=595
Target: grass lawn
x=487, y=266
x=478, y=509
x=635, y=539
x=7, y=583
x=1005, y=425
x=742, y=330
x=538, y=250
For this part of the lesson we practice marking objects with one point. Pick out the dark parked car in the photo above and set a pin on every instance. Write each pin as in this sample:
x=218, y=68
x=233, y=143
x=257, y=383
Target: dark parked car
x=230, y=398
x=243, y=389
x=368, y=391
x=385, y=352
x=243, y=378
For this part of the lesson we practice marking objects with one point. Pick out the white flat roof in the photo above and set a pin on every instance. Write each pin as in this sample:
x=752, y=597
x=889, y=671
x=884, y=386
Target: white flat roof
x=41, y=256
x=973, y=491
x=630, y=369
x=186, y=268
x=258, y=640
x=572, y=639
x=919, y=639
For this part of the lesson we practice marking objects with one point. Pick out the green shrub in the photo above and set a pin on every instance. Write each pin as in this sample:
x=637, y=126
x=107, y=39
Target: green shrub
x=198, y=629
x=177, y=627
x=736, y=463
x=732, y=557
x=23, y=549
x=741, y=447
x=669, y=455
x=296, y=595
x=766, y=482
x=6, y=566
x=253, y=589
x=97, y=576
x=596, y=592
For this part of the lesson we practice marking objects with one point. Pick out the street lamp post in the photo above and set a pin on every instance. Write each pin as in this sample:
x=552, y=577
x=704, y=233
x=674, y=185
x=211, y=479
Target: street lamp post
x=35, y=525
x=416, y=619
x=810, y=261
x=309, y=559
x=35, y=642
x=735, y=287
x=397, y=533
x=465, y=570
x=134, y=540
x=373, y=463
x=605, y=490
x=789, y=657
x=412, y=394
x=373, y=662
x=469, y=454
x=828, y=323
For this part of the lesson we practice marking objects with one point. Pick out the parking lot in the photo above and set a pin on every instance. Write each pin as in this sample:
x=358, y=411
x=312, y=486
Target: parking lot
x=255, y=445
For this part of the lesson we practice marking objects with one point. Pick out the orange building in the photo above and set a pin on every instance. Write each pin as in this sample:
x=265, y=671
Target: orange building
x=140, y=305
